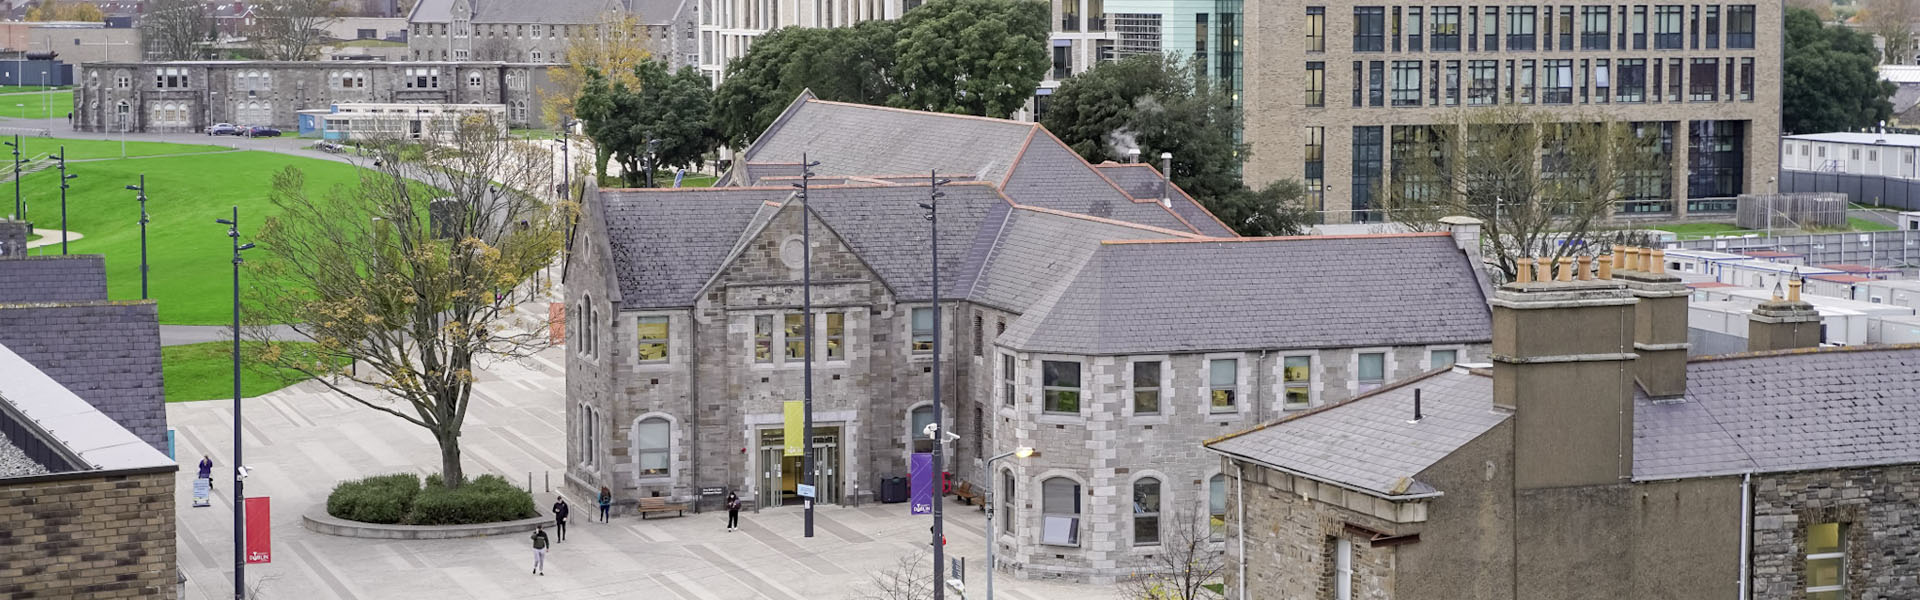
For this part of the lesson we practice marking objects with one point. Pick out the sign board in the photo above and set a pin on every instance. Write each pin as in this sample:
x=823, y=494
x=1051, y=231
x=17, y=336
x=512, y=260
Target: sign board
x=805, y=491
x=259, y=531
x=795, y=434
x=959, y=568
x=202, y=488
x=920, y=471
x=713, y=491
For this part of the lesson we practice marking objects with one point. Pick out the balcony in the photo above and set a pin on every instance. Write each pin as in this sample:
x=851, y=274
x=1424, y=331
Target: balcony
x=1070, y=23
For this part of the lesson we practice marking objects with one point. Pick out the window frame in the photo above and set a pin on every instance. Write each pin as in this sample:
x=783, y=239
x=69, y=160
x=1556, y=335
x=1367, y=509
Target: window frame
x=1009, y=380
x=1217, y=515
x=1140, y=511
x=1079, y=509
x=1838, y=553
x=1362, y=386
x=760, y=348
x=1238, y=400
x=834, y=336
x=1287, y=386
x=1158, y=389
x=641, y=450
x=793, y=350
x=1009, y=488
x=1079, y=389
x=1459, y=353
x=664, y=343
x=915, y=333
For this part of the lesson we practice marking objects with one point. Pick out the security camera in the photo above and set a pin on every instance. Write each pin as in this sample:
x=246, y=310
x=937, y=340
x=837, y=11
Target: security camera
x=930, y=430
x=244, y=471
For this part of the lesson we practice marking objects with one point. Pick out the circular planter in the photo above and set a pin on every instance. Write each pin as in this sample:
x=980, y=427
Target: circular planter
x=317, y=520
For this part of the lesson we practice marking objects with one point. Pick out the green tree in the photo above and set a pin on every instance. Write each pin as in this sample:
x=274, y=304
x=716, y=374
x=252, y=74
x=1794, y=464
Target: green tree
x=845, y=64
x=1829, y=81
x=1278, y=209
x=1157, y=104
x=665, y=119
x=976, y=57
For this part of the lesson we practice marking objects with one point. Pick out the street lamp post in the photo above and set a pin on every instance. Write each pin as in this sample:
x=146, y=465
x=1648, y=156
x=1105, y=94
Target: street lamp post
x=939, y=495
x=19, y=208
x=64, y=178
x=653, y=145
x=142, y=197
x=806, y=320
x=1021, y=452
x=239, y=472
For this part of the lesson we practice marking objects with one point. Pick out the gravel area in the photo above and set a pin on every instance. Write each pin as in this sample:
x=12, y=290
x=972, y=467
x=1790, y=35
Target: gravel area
x=14, y=462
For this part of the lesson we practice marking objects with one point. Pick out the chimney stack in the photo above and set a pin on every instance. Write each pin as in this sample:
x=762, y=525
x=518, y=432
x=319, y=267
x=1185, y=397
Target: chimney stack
x=1784, y=324
x=13, y=238
x=1660, y=323
x=1563, y=362
x=1133, y=155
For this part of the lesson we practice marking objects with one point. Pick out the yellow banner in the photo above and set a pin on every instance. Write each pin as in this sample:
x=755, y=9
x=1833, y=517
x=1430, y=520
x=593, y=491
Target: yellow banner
x=796, y=427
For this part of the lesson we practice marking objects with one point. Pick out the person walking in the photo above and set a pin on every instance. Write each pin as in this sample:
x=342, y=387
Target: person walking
x=206, y=470
x=540, y=550
x=606, y=502
x=733, y=511
x=560, y=519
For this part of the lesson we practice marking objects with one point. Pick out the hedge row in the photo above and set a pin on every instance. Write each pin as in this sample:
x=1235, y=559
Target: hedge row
x=401, y=499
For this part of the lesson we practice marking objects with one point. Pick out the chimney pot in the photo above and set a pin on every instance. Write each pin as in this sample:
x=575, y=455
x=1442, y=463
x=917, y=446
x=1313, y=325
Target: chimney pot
x=1586, y=268
x=1793, y=289
x=1659, y=261
x=1606, y=265
x=1416, y=406
x=1619, y=257
x=1524, y=270
x=1566, y=269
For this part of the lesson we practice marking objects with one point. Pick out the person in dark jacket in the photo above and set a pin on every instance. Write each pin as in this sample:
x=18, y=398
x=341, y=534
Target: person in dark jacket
x=540, y=550
x=606, y=502
x=560, y=519
x=733, y=511
x=206, y=470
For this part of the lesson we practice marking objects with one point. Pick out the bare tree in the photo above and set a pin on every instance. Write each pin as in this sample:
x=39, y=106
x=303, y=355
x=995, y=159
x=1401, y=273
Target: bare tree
x=910, y=578
x=292, y=29
x=613, y=47
x=175, y=29
x=1185, y=565
x=415, y=274
x=1892, y=21
x=1543, y=187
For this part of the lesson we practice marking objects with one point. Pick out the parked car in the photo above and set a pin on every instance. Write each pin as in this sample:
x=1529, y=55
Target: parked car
x=257, y=131
x=224, y=129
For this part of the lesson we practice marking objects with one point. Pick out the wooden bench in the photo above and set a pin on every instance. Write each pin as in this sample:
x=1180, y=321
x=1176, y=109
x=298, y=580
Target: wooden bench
x=966, y=494
x=657, y=504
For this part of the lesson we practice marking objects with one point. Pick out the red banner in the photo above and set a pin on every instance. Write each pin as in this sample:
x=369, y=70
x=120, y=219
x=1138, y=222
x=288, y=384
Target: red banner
x=259, y=531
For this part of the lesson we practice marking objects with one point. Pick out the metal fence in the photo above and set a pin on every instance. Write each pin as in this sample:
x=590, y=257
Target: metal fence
x=1891, y=249
x=1876, y=190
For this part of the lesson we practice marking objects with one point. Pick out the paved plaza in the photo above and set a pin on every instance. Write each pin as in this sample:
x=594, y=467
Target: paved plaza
x=301, y=440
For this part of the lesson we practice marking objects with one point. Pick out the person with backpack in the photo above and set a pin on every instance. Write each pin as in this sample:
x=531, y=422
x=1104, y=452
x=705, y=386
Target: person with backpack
x=733, y=511
x=606, y=502
x=540, y=550
x=560, y=518
x=206, y=470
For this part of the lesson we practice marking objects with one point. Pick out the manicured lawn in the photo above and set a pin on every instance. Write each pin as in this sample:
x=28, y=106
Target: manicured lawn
x=1860, y=224
x=1688, y=231
x=22, y=89
x=188, y=252
x=37, y=105
x=86, y=149
x=205, y=371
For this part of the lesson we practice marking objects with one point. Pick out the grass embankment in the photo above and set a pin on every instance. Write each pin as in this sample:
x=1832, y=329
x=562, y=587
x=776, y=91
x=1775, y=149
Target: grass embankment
x=37, y=105
x=205, y=371
x=1694, y=231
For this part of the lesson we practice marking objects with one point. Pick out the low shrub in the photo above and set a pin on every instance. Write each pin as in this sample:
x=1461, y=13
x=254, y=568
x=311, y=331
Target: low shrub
x=378, y=499
x=485, y=499
x=400, y=498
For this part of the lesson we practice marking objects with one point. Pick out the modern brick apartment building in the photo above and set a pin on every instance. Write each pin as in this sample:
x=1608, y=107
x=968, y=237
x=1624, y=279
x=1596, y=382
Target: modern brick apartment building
x=1331, y=92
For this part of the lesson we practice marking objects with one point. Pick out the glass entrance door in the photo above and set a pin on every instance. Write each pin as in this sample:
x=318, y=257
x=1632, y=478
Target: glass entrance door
x=781, y=475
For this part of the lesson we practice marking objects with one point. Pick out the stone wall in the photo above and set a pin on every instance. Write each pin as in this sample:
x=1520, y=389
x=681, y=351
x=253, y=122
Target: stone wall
x=1290, y=540
x=88, y=536
x=1881, y=512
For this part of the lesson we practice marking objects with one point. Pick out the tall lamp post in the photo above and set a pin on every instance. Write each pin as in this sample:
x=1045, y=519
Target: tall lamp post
x=142, y=190
x=939, y=495
x=19, y=208
x=64, y=178
x=239, y=472
x=806, y=318
x=1021, y=452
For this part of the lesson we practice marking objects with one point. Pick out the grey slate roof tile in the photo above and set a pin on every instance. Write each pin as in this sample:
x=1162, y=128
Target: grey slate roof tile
x=855, y=139
x=518, y=11
x=1369, y=443
x=70, y=278
x=667, y=243
x=1050, y=175
x=1306, y=292
x=106, y=352
x=1774, y=412
x=1037, y=249
x=1142, y=181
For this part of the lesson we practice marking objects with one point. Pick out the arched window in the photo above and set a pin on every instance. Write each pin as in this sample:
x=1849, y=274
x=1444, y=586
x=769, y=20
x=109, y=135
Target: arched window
x=917, y=432
x=654, y=438
x=1060, y=512
x=1146, y=512
x=1217, y=506
x=473, y=80
x=536, y=56
x=1007, y=490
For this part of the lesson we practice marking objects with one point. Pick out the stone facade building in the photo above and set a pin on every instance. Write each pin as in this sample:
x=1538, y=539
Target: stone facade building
x=189, y=96
x=1332, y=93
x=540, y=32
x=1084, y=312
x=1593, y=459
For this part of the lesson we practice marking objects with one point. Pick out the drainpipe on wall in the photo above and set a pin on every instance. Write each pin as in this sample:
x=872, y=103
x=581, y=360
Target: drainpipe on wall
x=1240, y=475
x=1746, y=535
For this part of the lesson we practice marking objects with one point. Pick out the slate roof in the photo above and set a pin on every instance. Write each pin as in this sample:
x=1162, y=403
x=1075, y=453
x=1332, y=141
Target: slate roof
x=516, y=11
x=64, y=420
x=76, y=277
x=106, y=352
x=1141, y=181
x=1252, y=294
x=1368, y=443
x=667, y=243
x=1785, y=411
x=1038, y=249
x=1051, y=175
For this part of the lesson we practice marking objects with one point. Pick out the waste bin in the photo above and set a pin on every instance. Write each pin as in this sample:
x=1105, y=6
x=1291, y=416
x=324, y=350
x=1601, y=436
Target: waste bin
x=894, y=489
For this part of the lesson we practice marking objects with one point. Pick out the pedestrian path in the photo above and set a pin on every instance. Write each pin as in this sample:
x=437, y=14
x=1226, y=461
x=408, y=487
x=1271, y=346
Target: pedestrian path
x=51, y=237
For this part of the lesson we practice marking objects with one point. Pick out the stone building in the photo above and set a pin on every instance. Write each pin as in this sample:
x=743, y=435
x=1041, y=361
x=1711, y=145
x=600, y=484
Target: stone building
x=188, y=96
x=1333, y=93
x=54, y=313
x=1083, y=312
x=1593, y=459
x=541, y=32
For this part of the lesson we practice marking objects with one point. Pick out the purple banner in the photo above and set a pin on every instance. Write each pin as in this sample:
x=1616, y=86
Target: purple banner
x=920, y=471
